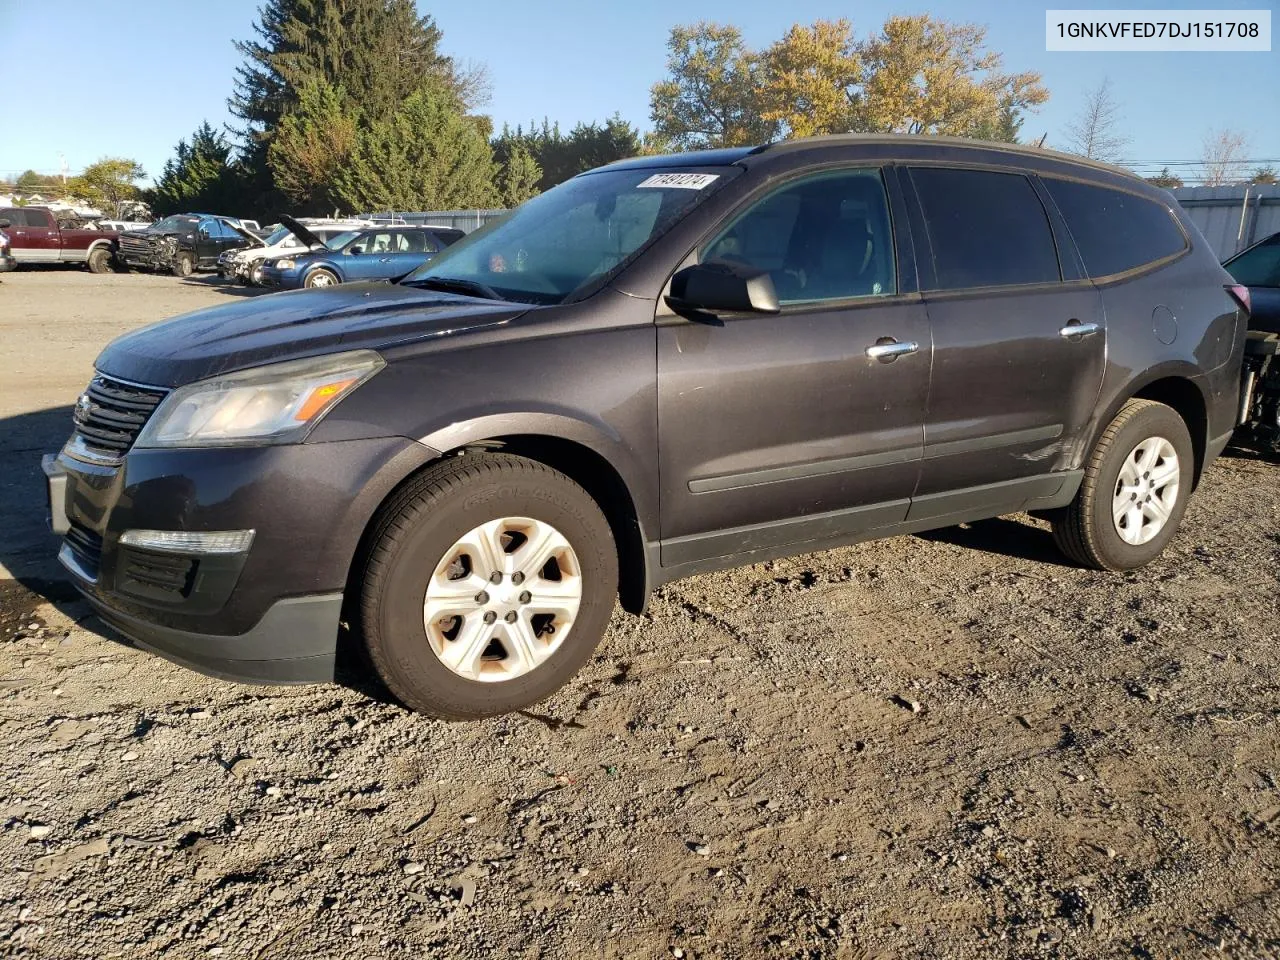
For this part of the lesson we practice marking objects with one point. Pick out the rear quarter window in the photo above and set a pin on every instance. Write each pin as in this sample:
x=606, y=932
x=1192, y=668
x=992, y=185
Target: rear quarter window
x=1115, y=231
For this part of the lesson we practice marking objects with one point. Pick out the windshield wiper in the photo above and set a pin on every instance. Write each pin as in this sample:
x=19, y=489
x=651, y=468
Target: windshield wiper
x=458, y=285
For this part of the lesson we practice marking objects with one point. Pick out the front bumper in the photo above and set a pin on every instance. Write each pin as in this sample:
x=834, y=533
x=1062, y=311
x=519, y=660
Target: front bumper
x=298, y=633
x=284, y=279
x=267, y=614
x=145, y=261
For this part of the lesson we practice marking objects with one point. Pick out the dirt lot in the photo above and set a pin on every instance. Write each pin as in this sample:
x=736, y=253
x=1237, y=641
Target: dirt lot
x=941, y=746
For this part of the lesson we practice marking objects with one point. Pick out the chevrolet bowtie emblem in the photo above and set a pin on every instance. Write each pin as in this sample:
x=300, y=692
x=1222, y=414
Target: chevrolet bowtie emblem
x=83, y=406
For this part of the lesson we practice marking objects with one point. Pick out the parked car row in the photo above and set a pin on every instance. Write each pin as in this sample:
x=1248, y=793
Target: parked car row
x=370, y=252
x=245, y=263
x=298, y=253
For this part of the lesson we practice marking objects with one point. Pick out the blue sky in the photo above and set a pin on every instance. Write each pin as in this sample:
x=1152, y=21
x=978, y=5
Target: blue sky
x=95, y=79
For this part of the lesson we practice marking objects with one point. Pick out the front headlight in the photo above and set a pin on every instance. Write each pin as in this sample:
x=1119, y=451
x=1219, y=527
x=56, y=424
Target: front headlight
x=277, y=403
x=286, y=264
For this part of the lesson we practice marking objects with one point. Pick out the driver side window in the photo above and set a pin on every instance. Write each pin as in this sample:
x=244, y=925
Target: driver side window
x=824, y=237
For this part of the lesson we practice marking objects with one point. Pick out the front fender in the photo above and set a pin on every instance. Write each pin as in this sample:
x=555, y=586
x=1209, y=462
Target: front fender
x=595, y=434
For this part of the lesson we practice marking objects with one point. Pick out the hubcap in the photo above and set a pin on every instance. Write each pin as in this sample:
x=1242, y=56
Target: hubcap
x=1146, y=491
x=502, y=599
x=321, y=280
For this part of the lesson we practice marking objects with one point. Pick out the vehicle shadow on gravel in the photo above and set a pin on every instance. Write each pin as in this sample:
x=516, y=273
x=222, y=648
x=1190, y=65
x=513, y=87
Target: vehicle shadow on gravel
x=228, y=288
x=1006, y=536
x=28, y=550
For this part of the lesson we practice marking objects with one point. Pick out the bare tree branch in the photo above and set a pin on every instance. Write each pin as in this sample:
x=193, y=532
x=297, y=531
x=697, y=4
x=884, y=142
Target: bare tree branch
x=1095, y=131
x=1223, y=154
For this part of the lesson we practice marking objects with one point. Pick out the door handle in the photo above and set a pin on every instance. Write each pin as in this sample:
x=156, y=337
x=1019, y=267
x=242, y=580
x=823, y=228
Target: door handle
x=886, y=349
x=1075, y=330
x=384, y=260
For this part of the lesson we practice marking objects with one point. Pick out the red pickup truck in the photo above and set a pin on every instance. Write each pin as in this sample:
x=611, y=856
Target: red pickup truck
x=36, y=237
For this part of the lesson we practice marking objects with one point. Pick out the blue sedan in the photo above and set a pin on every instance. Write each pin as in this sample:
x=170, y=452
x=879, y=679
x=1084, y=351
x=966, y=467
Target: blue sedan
x=373, y=253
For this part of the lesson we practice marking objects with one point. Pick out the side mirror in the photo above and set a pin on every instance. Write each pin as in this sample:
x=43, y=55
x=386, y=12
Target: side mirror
x=355, y=251
x=721, y=287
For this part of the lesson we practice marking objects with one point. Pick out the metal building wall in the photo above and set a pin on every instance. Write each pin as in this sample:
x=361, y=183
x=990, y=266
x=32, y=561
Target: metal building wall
x=1232, y=217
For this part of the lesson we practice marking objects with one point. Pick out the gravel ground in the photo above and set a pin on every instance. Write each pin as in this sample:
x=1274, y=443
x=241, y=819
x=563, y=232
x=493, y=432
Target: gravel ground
x=951, y=745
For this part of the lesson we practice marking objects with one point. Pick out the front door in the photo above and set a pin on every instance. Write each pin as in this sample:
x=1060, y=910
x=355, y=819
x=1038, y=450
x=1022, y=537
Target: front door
x=39, y=237
x=781, y=429
x=208, y=241
x=1018, y=352
x=369, y=257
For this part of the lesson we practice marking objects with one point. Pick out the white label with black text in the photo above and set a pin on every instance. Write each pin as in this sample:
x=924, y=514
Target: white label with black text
x=681, y=181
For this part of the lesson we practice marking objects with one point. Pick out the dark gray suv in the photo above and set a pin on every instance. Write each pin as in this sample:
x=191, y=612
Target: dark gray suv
x=664, y=366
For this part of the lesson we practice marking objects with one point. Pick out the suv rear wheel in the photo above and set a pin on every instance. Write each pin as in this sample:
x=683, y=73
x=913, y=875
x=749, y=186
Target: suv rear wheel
x=1134, y=492
x=490, y=581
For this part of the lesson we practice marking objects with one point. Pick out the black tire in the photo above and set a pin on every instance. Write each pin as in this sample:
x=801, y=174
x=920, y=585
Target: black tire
x=330, y=281
x=1085, y=529
x=99, y=260
x=184, y=265
x=412, y=535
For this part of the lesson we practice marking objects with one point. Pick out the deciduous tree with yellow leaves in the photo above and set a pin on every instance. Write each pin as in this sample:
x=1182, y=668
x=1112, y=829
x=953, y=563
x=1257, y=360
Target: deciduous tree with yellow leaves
x=916, y=75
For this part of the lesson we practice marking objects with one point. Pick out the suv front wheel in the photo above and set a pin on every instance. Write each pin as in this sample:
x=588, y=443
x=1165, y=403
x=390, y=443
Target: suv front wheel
x=490, y=581
x=1134, y=492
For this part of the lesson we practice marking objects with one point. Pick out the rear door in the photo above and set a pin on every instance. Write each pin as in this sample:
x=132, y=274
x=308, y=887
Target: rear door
x=1019, y=337
x=780, y=429
x=413, y=248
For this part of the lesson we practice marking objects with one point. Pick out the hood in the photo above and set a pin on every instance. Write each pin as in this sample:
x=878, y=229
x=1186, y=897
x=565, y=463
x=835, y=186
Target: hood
x=289, y=326
x=253, y=238
x=301, y=232
x=155, y=230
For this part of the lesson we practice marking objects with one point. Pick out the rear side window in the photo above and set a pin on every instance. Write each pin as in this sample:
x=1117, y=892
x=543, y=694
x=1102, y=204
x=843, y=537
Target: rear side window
x=16, y=218
x=986, y=229
x=1113, y=230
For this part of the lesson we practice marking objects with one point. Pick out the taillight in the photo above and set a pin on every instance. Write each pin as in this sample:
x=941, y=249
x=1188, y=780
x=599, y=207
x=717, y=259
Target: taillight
x=1240, y=294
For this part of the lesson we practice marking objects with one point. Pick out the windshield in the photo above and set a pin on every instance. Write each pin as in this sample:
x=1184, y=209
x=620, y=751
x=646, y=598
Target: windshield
x=571, y=239
x=341, y=240
x=175, y=223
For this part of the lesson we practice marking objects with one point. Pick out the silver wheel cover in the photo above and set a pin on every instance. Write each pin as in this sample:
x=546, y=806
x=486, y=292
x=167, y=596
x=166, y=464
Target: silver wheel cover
x=502, y=599
x=1146, y=491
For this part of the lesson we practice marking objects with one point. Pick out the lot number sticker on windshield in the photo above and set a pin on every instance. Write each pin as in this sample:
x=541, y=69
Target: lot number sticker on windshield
x=682, y=181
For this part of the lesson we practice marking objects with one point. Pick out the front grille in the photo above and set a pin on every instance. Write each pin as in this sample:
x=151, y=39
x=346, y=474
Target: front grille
x=86, y=547
x=135, y=246
x=110, y=414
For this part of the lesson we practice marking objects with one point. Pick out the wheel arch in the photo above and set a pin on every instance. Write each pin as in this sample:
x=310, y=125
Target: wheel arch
x=575, y=448
x=1175, y=386
x=324, y=265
